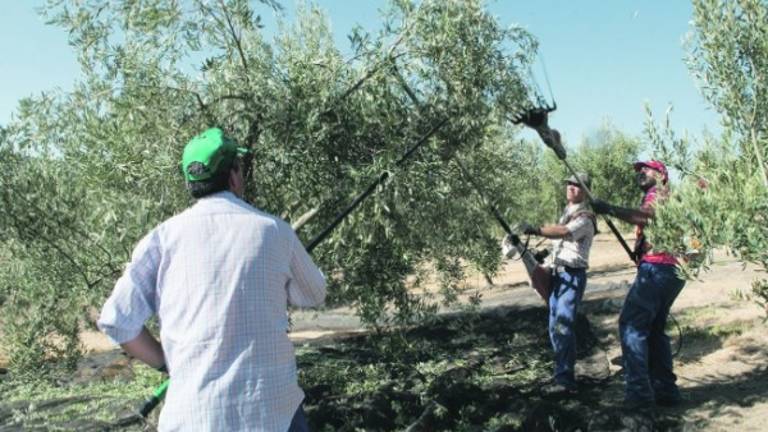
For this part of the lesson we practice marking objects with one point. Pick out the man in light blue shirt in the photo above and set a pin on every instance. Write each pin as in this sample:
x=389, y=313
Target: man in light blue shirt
x=219, y=276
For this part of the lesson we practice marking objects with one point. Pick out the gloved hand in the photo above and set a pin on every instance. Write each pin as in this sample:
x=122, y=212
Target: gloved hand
x=600, y=206
x=529, y=229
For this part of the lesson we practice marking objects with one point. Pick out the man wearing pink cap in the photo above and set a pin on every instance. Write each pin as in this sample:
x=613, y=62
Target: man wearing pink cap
x=645, y=347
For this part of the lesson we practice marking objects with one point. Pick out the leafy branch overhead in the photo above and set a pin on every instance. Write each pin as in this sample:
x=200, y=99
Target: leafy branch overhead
x=100, y=163
x=722, y=198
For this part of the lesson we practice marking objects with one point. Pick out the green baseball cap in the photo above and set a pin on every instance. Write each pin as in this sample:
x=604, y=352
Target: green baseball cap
x=213, y=150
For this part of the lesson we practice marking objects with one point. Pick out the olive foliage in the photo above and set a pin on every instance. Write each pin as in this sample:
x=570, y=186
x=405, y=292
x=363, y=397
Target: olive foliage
x=89, y=171
x=722, y=198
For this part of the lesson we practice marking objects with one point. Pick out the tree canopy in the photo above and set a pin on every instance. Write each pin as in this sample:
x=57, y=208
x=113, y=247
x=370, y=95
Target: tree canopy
x=90, y=171
x=722, y=199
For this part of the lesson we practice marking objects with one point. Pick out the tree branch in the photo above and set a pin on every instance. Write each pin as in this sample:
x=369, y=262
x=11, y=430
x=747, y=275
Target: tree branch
x=306, y=217
x=753, y=124
x=236, y=37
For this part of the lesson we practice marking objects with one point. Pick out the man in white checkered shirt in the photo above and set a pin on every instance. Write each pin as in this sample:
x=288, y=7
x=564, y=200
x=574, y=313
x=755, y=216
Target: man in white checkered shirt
x=572, y=237
x=219, y=277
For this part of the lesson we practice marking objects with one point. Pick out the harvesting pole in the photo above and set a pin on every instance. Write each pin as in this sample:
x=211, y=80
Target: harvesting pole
x=343, y=214
x=157, y=395
x=540, y=279
x=496, y=214
x=536, y=119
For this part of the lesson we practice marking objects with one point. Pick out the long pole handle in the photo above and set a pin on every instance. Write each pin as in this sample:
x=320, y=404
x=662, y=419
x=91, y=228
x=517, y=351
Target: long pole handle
x=344, y=213
x=465, y=172
x=496, y=214
x=155, y=399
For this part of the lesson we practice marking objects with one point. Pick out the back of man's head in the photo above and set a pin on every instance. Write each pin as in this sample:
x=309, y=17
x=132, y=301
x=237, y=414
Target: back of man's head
x=207, y=161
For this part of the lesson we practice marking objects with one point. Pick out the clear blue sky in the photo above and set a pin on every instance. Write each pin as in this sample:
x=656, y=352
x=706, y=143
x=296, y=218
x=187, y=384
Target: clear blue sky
x=604, y=58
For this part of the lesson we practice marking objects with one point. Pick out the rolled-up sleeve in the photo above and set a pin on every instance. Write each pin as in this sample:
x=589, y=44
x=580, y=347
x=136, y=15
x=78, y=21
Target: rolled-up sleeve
x=306, y=287
x=133, y=301
x=580, y=227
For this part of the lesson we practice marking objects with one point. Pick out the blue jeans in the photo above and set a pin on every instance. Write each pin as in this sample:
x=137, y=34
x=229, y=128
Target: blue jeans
x=299, y=422
x=567, y=291
x=645, y=347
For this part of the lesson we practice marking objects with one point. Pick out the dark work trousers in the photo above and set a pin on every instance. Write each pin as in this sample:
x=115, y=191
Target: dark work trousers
x=645, y=347
x=567, y=290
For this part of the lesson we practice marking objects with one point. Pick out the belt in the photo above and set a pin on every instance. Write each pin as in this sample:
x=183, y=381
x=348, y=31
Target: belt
x=562, y=268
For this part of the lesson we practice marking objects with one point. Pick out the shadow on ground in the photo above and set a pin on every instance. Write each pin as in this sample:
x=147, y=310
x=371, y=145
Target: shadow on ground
x=472, y=371
x=720, y=395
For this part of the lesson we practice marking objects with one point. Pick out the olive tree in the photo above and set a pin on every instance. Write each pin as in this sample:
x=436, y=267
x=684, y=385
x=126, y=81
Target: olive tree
x=722, y=199
x=89, y=171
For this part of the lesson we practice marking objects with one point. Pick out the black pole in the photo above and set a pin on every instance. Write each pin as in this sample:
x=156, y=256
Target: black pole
x=536, y=119
x=344, y=213
x=494, y=211
x=492, y=208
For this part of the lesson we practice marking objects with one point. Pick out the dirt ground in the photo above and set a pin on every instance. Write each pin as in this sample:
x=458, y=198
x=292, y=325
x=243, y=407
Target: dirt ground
x=722, y=365
x=722, y=362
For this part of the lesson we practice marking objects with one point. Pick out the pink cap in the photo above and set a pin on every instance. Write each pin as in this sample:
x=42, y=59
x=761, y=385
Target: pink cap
x=655, y=165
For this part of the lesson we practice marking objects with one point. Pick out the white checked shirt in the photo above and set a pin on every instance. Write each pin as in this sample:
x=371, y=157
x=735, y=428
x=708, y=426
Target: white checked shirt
x=219, y=276
x=573, y=250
